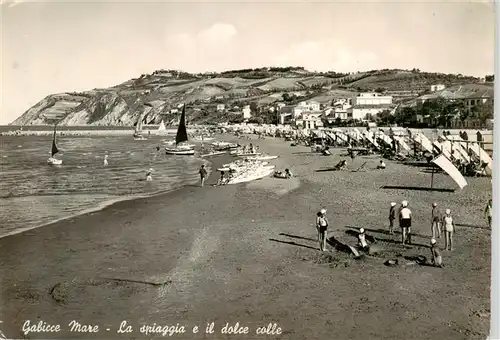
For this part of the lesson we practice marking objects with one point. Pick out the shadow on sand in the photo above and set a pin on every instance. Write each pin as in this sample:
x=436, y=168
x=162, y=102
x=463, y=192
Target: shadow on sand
x=416, y=188
x=385, y=232
x=325, y=170
x=471, y=226
x=332, y=241
x=293, y=243
x=298, y=237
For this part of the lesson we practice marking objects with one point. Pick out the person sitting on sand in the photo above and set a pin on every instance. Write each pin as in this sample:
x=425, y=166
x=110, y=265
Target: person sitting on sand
x=362, y=239
x=158, y=148
x=149, y=176
x=222, y=180
x=105, y=160
x=381, y=165
x=437, y=259
x=322, y=226
x=449, y=228
x=288, y=174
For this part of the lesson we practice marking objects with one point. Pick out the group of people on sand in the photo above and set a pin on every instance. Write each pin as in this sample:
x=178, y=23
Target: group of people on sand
x=440, y=224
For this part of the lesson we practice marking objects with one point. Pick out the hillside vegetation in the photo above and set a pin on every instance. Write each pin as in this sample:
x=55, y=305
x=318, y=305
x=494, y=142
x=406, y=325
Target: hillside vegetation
x=154, y=97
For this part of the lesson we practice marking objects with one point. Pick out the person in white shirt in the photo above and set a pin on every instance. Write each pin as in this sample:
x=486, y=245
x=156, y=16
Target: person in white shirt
x=105, y=160
x=322, y=226
x=405, y=222
x=449, y=229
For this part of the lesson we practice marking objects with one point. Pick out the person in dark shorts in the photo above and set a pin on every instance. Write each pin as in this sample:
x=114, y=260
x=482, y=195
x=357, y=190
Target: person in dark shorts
x=203, y=174
x=322, y=226
x=405, y=223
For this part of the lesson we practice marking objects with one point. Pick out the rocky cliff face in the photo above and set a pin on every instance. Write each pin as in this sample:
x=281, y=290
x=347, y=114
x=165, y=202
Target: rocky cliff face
x=156, y=97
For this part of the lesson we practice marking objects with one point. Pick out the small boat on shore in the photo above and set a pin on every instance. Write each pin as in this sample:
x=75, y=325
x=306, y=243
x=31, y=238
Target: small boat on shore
x=224, y=146
x=213, y=153
x=181, y=138
x=52, y=160
x=261, y=157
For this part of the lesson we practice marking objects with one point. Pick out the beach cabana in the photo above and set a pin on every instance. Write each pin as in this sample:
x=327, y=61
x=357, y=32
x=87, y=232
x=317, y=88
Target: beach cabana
x=444, y=163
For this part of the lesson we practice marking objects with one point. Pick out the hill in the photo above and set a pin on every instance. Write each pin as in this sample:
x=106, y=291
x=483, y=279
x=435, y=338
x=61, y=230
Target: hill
x=154, y=97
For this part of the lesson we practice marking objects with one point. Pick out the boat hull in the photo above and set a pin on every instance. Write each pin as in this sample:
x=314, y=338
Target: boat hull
x=261, y=158
x=213, y=154
x=185, y=152
x=54, y=161
x=261, y=173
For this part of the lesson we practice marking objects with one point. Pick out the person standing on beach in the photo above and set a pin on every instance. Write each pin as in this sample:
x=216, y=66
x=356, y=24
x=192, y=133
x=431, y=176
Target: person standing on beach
x=322, y=226
x=203, y=174
x=449, y=229
x=437, y=219
x=105, y=160
x=392, y=217
x=489, y=211
x=405, y=222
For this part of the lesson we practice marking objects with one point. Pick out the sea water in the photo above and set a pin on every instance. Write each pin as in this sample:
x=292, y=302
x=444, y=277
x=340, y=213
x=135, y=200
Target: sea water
x=33, y=193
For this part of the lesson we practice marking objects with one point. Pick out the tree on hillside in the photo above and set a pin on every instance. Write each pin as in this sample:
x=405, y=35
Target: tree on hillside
x=490, y=78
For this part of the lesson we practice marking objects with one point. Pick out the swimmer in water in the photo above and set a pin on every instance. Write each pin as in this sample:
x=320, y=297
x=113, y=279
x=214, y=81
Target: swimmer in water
x=148, y=175
x=105, y=160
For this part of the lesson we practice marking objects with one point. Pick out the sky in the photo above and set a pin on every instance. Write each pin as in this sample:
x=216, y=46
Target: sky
x=65, y=46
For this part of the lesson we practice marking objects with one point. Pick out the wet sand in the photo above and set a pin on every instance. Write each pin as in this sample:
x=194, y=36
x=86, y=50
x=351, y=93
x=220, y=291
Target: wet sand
x=248, y=253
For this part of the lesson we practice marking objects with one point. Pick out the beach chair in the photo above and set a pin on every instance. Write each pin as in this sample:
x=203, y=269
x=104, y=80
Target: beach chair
x=340, y=165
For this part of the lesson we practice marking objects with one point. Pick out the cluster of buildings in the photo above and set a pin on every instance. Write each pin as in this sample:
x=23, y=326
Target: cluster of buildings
x=362, y=106
x=311, y=114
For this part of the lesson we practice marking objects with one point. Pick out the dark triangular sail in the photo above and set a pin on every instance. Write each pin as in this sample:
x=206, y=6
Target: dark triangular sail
x=181, y=130
x=54, y=146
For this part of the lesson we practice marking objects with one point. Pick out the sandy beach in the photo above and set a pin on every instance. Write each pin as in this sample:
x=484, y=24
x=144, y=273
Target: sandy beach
x=247, y=253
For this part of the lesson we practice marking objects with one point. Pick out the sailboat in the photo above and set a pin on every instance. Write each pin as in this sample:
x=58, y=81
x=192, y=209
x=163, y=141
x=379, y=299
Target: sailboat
x=52, y=160
x=180, y=148
x=162, y=129
x=138, y=131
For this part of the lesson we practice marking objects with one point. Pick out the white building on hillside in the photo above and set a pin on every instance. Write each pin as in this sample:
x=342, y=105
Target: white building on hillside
x=371, y=98
x=247, y=113
x=437, y=87
x=368, y=104
x=310, y=120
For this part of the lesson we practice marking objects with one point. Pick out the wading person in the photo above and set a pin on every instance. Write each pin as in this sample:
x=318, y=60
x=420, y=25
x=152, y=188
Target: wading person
x=437, y=260
x=489, y=212
x=392, y=217
x=405, y=223
x=149, y=176
x=203, y=174
x=322, y=226
x=449, y=229
x=105, y=160
x=437, y=219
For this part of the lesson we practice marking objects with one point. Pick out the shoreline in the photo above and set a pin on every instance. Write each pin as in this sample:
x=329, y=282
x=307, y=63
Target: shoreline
x=110, y=202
